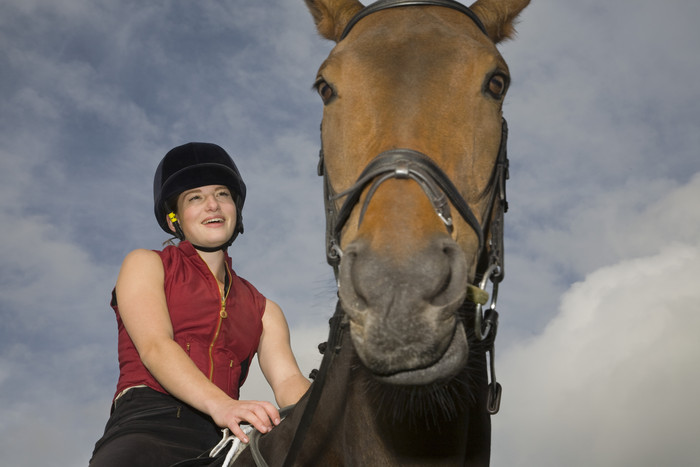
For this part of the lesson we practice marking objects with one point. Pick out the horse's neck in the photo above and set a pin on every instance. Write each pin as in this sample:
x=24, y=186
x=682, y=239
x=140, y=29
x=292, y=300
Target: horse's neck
x=351, y=423
x=349, y=428
x=322, y=444
x=375, y=437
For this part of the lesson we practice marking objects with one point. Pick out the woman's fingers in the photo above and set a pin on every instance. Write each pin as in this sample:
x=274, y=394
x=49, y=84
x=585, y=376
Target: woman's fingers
x=238, y=432
x=261, y=415
x=271, y=412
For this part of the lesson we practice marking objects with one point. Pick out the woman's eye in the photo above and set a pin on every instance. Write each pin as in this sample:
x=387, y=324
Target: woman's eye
x=497, y=86
x=324, y=90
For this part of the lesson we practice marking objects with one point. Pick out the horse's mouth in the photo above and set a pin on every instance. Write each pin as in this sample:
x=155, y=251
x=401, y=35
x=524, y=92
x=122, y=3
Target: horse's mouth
x=452, y=361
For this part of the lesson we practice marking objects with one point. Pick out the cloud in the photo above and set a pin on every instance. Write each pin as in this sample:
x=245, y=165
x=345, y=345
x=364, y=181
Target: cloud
x=603, y=112
x=54, y=383
x=633, y=220
x=611, y=379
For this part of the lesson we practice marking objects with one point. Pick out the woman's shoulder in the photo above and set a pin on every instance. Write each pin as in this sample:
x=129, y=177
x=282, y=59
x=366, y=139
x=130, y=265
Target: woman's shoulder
x=142, y=260
x=140, y=267
x=142, y=255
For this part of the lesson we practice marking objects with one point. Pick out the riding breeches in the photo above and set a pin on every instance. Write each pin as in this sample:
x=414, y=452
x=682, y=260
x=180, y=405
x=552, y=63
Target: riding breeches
x=151, y=429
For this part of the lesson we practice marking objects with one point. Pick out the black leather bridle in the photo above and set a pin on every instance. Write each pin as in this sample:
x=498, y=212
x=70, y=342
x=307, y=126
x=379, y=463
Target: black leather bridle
x=386, y=4
x=405, y=163
x=411, y=164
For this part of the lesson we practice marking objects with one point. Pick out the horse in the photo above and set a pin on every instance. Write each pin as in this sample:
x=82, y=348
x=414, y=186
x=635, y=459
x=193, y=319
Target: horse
x=412, y=132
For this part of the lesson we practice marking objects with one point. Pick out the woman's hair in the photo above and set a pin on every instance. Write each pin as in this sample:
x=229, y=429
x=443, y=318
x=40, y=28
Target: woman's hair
x=171, y=203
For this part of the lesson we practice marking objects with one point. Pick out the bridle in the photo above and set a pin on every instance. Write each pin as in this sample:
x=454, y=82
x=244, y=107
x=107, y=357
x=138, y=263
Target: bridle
x=401, y=164
x=411, y=164
x=405, y=163
x=386, y=4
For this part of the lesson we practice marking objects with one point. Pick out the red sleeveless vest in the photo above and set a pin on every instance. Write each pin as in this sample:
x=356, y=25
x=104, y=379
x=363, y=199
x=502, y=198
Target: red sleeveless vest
x=220, y=339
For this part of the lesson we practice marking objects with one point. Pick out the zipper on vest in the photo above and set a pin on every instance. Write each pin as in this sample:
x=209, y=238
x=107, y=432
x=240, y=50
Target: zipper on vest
x=222, y=315
x=211, y=346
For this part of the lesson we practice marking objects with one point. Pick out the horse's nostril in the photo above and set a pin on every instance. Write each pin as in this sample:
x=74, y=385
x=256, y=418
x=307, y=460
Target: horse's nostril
x=355, y=297
x=434, y=275
x=440, y=293
x=453, y=272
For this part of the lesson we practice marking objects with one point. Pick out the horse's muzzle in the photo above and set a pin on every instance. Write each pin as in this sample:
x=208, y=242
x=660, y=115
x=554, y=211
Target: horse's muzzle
x=403, y=313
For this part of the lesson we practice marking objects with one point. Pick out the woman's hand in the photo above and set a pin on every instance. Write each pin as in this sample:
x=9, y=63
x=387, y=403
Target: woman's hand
x=262, y=415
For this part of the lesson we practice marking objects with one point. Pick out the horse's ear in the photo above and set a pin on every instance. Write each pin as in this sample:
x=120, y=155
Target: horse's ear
x=499, y=16
x=331, y=16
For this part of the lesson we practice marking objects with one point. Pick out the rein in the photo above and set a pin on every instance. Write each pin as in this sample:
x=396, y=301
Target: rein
x=338, y=324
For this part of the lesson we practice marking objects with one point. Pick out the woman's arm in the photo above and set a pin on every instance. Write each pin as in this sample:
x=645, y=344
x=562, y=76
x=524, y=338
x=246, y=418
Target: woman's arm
x=276, y=359
x=144, y=312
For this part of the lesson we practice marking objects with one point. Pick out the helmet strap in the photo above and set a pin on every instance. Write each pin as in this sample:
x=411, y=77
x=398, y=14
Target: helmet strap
x=176, y=224
x=222, y=247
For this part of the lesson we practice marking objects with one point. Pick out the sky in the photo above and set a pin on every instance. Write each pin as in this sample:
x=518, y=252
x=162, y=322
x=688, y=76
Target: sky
x=597, y=348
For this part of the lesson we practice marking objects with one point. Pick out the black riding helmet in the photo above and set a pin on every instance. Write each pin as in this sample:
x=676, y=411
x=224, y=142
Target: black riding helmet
x=190, y=166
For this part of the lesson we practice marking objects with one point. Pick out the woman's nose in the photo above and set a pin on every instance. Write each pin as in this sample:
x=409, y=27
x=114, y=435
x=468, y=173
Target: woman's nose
x=212, y=203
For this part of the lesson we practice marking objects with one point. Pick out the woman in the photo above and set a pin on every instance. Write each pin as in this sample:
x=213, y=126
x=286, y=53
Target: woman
x=189, y=326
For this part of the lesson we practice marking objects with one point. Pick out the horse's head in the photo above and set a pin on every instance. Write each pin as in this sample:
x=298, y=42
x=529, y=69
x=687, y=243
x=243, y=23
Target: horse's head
x=403, y=83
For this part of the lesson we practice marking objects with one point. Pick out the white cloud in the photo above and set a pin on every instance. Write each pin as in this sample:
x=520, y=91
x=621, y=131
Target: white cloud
x=603, y=113
x=630, y=221
x=55, y=326
x=612, y=378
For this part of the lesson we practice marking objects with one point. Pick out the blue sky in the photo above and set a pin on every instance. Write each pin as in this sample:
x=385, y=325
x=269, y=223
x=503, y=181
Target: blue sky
x=597, y=348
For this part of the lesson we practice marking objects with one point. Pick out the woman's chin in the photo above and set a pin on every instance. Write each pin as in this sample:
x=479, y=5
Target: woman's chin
x=211, y=238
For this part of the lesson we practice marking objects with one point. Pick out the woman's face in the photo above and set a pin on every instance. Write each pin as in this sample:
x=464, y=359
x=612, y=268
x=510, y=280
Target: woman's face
x=207, y=215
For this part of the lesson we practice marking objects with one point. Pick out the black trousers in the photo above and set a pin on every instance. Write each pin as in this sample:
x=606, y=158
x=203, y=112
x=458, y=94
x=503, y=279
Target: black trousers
x=151, y=429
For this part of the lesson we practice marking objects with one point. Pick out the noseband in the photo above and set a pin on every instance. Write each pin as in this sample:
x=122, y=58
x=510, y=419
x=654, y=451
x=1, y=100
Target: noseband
x=405, y=164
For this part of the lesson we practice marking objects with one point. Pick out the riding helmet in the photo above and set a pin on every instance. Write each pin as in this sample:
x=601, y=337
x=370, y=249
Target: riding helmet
x=193, y=165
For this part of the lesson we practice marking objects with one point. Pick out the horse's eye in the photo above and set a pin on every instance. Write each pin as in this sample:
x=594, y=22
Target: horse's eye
x=497, y=85
x=324, y=90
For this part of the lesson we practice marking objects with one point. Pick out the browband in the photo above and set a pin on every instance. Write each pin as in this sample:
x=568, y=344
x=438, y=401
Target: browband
x=385, y=4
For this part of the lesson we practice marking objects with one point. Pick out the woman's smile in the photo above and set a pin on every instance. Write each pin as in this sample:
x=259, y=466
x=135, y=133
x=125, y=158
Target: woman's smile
x=213, y=221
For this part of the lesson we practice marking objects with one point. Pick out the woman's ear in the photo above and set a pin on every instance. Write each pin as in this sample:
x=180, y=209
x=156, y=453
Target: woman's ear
x=171, y=218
